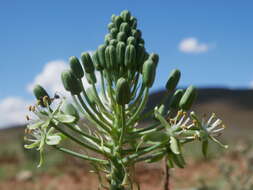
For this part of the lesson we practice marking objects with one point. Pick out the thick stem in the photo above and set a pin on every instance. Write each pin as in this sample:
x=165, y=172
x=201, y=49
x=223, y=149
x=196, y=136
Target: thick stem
x=166, y=185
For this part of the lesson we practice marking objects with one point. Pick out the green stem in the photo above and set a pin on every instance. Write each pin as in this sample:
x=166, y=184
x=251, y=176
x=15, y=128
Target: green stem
x=103, y=85
x=92, y=106
x=100, y=123
x=104, y=110
x=78, y=155
x=123, y=123
x=77, y=140
x=140, y=108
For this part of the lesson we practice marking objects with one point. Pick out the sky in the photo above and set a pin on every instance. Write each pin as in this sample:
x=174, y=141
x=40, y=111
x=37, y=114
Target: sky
x=209, y=41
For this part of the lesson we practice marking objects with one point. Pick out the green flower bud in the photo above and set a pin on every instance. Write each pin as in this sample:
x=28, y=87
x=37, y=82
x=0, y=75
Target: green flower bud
x=141, y=54
x=70, y=82
x=133, y=22
x=173, y=80
x=136, y=34
x=87, y=62
x=148, y=73
x=120, y=53
x=113, y=17
x=113, y=42
x=76, y=67
x=141, y=41
x=174, y=104
x=117, y=21
x=188, y=98
x=69, y=109
x=91, y=78
x=123, y=93
x=121, y=36
x=96, y=61
x=154, y=57
x=162, y=109
x=101, y=55
x=131, y=40
x=130, y=56
x=110, y=26
x=125, y=15
x=108, y=38
x=110, y=57
x=124, y=27
x=39, y=92
x=113, y=32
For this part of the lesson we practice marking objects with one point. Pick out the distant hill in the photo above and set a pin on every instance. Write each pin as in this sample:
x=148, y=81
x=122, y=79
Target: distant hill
x=235, y=107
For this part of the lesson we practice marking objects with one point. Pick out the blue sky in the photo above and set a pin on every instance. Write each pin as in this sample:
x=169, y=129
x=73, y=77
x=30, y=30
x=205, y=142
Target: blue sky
x=215, y=37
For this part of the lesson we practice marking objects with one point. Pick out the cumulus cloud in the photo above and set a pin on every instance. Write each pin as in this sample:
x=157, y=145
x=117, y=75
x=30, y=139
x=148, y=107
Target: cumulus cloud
x=13, y=111
x=251, y=84
x=192, y=45
x=50, y=77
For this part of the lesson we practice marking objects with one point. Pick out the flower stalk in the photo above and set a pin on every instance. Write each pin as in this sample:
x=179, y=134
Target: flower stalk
x=115, y=110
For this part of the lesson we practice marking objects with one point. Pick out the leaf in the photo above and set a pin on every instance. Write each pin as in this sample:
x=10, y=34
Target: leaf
x=178, y=160
x=205, y=147
x=174, y=146
x=170, y=161
x=31, y=146
x=65, y=118
x=156, y=137
x=53, y=140
x=35, y=125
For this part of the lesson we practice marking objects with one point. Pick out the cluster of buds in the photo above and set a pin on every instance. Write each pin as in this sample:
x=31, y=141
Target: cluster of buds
x=115, y=108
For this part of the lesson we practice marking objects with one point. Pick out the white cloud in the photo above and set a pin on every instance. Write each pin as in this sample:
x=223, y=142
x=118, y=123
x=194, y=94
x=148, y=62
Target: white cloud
x=251, y=84
x=192, y=45
x=13, y=111
x=50, y=77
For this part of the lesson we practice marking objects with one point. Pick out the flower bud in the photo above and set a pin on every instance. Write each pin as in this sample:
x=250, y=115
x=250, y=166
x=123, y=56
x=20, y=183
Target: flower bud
x=39, y=92
x=76, y=67
x=141, y=41
x=87, y=62
x=110, y=57
x=148, y=73
x=123, y=93
x=108, y=38
x=113, y=42
x=131, y=40
x=101, y=55
x=96, y=61
x=120, y=53
x=69, y=109
x=125, y=15
x=124, y=27
x=133, y=22
x=188, y=98
x=174, y=104
x=154, y=57
x=91, y=78
x=110, y=26
x=173, y=80
x=141, y=53
x=121, y=36
x=114, y=32
x=130, y=56
x=117, y=21
x=136, y=34
x=113, y=17
x=70, y=82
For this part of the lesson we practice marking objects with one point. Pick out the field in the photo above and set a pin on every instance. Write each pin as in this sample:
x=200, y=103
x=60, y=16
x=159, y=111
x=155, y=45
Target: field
x=224, y=170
